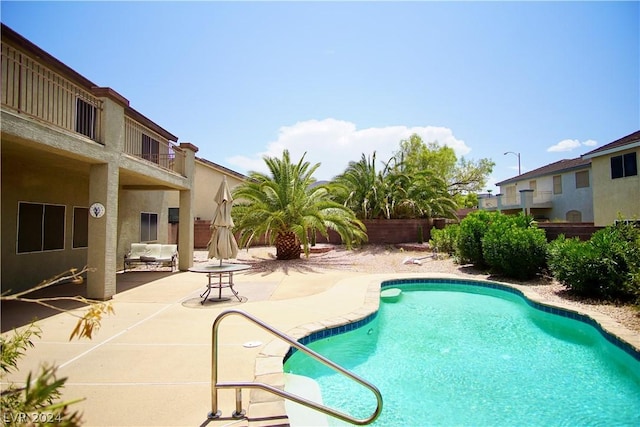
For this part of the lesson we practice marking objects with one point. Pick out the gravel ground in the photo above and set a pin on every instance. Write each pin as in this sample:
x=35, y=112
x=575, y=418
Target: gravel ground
x=392, y=259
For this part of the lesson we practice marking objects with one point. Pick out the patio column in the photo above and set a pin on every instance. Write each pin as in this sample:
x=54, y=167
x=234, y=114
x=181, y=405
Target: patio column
x=103, y=231
x=185, y=220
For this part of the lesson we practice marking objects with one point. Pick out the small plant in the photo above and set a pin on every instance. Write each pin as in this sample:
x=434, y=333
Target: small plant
x=444, y=240
x=420, y=234
x=37, y=401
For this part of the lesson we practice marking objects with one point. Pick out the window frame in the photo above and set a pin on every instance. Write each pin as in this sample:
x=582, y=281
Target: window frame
x=150, y=149
x=557, y=184
x=51, y=238
x=580, y=182
x=80, y=227
x=624, y=165
x=147, y=228
x=86, y=114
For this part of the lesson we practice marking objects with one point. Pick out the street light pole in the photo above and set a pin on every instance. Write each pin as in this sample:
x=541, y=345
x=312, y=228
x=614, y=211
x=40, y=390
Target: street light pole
x=518, y=155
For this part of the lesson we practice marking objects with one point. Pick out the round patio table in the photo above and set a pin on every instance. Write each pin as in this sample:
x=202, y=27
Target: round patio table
x=219, y=276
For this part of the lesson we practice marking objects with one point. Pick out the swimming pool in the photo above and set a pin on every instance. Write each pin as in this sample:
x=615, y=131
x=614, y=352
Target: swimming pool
x=473, y=353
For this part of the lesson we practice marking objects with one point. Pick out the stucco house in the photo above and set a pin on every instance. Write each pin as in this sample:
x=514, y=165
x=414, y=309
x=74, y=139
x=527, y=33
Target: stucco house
x=83, y=173
x=207, y=180
x=560, y=191
x=616, y=183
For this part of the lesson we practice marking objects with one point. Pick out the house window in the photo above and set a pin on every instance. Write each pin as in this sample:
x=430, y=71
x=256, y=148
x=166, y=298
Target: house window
x=40, y=227
x=624, y=165
x=574, y=216
x=582, y=179
x=174, y=215
x=148, y=227
x=150, y=149
x=80, y=227
x=557, y=184
x=85, y=118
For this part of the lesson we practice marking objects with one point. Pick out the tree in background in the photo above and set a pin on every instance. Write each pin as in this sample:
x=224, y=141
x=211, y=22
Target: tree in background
x=285, y=207
x=463, y=177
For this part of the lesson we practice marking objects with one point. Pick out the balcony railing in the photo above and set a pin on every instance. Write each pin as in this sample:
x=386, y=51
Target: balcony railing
x=142, y=142
x=35, y=90
x=540, y=199
x=32, y=89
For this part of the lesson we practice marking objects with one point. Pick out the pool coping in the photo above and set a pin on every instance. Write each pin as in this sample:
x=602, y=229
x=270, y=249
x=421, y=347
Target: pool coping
x=269, y=365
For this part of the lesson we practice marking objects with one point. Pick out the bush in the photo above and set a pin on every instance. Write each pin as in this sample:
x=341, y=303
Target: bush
x=514, y=247
x=471, y=233
x=607, y=266
x=444, y=240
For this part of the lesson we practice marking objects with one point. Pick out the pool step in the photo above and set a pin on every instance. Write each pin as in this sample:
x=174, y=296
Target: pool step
x=391, y=295
x=300, y=415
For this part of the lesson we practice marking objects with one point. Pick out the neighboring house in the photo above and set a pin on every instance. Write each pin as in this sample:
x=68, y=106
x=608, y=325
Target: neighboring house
x=84, y=175
x=207, y=181
x=560, y=191
x=616, y=183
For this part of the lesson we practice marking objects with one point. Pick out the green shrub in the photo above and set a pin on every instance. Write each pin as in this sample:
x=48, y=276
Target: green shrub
x=607, y=266
x=514, y=247
x=469, y=241
x=444, y=240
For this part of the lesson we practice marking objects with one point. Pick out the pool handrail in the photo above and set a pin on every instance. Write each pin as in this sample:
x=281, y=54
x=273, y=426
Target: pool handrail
x=239, y=412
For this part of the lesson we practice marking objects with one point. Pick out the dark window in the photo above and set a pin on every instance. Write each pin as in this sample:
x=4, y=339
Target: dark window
x=625, y=165
x=148, y=227
x=630, y=164
x=80, y=227
x=85, y=118
x=174, y=215
x=40, y=227
x=150, y=149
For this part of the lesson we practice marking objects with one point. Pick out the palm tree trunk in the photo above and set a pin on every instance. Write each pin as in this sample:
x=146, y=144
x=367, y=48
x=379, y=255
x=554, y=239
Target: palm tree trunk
x=287, y=246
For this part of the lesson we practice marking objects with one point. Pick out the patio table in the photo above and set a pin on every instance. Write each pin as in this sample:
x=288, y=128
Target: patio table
x=219, y=276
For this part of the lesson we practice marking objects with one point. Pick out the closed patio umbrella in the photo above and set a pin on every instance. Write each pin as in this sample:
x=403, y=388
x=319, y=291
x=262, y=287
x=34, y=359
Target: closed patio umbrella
x=222, y=244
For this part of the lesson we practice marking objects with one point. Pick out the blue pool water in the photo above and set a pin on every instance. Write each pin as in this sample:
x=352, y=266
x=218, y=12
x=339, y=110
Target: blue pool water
x=463, y=355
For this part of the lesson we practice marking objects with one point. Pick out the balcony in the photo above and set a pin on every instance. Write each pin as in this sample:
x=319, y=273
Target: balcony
x=541, y=199
x=142, y=142
x=32, y=89
x=36, y=91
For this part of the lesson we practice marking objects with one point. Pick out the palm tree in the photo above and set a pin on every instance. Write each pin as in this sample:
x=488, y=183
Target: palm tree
x=287, y=209
x=362, y=189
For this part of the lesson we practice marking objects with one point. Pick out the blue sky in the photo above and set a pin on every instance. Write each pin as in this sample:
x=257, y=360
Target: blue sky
x=241, y=80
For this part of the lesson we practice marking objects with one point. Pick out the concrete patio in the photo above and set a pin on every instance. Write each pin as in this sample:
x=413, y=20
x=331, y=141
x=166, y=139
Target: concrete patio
x=150, y=363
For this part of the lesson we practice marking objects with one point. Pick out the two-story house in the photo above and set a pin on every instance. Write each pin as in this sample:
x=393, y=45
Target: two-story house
x=616, y=183
x=83, y=174
x=559, y=191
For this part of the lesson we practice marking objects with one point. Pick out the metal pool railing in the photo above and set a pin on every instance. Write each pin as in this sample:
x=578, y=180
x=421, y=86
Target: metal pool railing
x=238, y=386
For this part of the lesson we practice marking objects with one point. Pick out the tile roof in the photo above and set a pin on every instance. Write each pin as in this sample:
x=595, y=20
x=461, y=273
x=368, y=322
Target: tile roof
x=626, y=140
x=552, y=168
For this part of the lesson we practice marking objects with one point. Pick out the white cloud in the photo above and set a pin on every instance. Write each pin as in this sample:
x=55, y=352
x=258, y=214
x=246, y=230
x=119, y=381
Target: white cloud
x=334, y=143
x=570, y=144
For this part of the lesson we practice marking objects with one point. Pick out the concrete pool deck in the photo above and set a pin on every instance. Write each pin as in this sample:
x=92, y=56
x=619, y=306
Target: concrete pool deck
x=150, y=363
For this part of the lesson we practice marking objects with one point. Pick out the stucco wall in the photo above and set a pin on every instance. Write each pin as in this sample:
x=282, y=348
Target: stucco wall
x=29, y=181
x=572, y=198
x=613, y=196
x=132, y=204
x=206, y=184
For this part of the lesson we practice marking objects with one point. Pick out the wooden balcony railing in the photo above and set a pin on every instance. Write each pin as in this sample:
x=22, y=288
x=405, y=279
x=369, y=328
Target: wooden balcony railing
x=35, y=90
x=31, y=88
x=140, y=141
